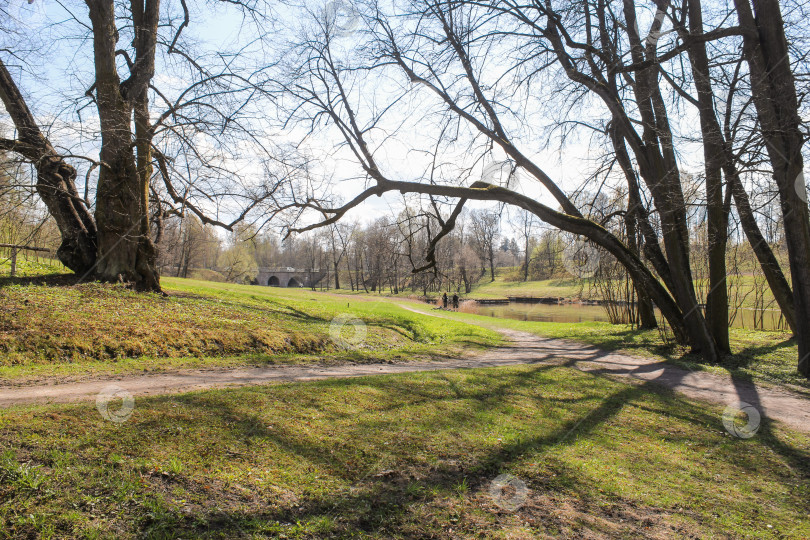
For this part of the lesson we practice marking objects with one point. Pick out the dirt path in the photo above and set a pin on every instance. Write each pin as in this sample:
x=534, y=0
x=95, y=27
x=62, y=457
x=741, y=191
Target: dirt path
x=524, y=348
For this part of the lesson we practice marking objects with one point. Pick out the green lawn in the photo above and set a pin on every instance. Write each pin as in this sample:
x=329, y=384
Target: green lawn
x=398, y=456
x=404, y=456
x=28, y=266
x=98, y=329
x=741, y=289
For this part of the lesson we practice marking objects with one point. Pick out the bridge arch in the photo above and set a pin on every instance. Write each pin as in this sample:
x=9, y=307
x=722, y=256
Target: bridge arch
x=273, y=282
x=293, y=283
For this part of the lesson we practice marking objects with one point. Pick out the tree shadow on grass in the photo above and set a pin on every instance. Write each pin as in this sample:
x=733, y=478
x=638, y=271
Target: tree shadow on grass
x=377, y=500
x=748, y=355
x=48, y=280
x=747, y=392
x=376, y=496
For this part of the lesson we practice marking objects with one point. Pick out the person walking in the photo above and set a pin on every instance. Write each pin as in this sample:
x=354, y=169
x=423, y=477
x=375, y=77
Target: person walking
x=444, y=300
x=455, y=301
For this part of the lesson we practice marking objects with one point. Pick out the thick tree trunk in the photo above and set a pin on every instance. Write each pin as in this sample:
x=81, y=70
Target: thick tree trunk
x=657, y=164
x=774, y=95
x=659, y=168
x=770, y=266
x=717, y=219
x=125, y=250
x=637, y=218
x=55, y=181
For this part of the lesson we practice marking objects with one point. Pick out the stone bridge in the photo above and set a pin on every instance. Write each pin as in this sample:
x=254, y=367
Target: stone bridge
x=288, y=277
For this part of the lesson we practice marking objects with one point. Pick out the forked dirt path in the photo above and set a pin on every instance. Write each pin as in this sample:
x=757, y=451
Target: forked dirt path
x=524, y=348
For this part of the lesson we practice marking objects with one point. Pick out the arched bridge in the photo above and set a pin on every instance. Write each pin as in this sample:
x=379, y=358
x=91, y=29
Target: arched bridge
x=288, y=277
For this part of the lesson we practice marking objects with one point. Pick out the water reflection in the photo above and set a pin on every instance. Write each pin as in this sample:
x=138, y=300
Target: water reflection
x=572, y=313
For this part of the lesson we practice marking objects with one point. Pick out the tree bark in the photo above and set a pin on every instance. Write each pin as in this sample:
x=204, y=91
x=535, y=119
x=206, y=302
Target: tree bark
x=774, y=96
x=646, y=311
x=125, y=250
x=636, y=219
x=659, y=168
x=55, y=181
x=716, y=217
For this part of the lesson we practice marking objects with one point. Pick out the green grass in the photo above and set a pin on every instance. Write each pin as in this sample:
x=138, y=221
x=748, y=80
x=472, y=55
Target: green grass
x=29, y=266
x=98, y=329
x=398, y=456
x=569, y=287
x=741, y=290
x=405, y=456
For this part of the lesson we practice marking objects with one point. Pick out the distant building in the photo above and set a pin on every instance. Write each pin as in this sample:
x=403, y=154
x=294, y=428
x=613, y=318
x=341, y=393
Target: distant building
x=288, y=277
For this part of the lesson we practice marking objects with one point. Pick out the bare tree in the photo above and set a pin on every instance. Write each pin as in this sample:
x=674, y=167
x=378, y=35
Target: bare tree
x=774, y=94
x=156, y=160
x=485, y=229
x=322, y=88
x=56, y=180
x=525, y=224
x=339, y=237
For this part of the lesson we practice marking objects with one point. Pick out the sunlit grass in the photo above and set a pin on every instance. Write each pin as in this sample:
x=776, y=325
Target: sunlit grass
x=98, y=328
x=406, y=456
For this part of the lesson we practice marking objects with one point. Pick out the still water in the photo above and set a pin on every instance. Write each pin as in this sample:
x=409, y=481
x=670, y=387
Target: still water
x=571, y=313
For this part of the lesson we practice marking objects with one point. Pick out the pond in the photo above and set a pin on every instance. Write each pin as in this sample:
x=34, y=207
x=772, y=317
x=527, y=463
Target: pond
x=768, y=319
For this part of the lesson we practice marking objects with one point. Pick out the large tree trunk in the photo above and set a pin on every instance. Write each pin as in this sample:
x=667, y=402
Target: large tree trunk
x=712, y=132
x=716, y=217
x=774, y=95
x=55, y=181
x=125, y=250
x=659, y=168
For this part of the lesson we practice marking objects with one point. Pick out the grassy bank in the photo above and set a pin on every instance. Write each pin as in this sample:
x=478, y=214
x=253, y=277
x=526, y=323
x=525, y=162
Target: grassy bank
x=94, y=328
x=405, y=456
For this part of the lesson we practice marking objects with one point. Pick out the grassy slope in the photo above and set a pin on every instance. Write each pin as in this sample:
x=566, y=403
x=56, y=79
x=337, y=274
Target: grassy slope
x=46, y=331
x=405, y=456
x=94, y=328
